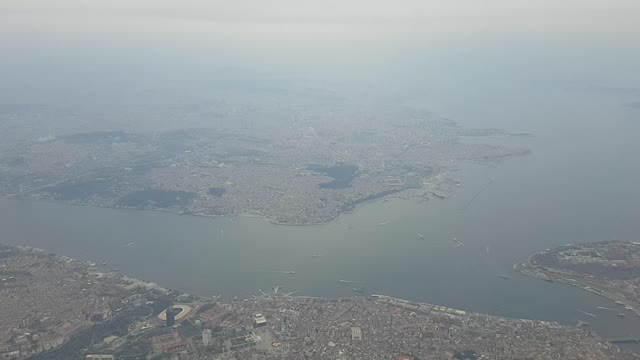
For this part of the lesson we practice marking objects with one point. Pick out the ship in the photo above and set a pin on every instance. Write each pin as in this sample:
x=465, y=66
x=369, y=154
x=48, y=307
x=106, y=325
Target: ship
x=420, y=235
x=503, y=277
x=586, y=313
x=458, y=243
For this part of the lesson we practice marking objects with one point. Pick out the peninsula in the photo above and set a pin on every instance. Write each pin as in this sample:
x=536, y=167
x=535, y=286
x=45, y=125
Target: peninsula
x=295, y=166
x=610, y=269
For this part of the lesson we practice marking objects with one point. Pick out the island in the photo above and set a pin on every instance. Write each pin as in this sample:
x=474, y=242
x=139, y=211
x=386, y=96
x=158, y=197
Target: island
x=55, y=307
x=292, y=165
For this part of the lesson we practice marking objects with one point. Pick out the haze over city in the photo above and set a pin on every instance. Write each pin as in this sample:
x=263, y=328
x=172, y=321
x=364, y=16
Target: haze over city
x=319, y=179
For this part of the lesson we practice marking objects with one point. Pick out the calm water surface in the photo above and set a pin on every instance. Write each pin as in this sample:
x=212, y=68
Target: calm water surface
x=578, y=185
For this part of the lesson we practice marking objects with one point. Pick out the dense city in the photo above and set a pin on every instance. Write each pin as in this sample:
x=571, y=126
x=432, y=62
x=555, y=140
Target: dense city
x=296, y=166
x=56, y=307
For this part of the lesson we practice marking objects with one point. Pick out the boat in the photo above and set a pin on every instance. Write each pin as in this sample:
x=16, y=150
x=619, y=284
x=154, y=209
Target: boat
x=383, y=223
x=503, y=277
x=420, y=235
x=315, y=256
x=290, y=272
x=344, y=281
x=129, y=244
x=357, y=290
x=586, y=313
x=621, y=315
x=603, y=308
x=548, y=280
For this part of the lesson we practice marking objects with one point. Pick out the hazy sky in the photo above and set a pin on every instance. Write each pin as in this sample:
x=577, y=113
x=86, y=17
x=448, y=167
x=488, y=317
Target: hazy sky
x=327, y=9
x=24, y=17
x=42, y=38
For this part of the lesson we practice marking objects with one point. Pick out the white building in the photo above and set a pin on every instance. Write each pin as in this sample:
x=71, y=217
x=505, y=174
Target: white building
x=259, y=320
x=99, y=357
x=207, y=338
x=356, y=333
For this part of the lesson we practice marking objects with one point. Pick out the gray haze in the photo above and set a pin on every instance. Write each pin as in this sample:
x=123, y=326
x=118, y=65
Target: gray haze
x=565, y=71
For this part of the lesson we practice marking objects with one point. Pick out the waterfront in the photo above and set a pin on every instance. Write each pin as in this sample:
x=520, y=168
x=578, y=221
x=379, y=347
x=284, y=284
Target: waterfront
x=577, y=185
x=376, y=247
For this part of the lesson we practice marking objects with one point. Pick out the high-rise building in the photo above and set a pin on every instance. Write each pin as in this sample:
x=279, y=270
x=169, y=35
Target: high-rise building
x=171, y=316
x=206, y=337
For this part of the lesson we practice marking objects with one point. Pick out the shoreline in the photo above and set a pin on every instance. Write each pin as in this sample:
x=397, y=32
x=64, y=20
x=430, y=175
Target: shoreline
x=527, y=268
x=233, y=216
x=437, y=186
x=411, y=305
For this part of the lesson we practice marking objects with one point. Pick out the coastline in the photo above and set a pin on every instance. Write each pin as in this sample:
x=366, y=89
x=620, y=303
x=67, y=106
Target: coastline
x=247, y=214
x=529, y=269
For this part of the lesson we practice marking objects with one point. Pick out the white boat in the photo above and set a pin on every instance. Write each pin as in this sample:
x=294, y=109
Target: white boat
x=586, y=313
